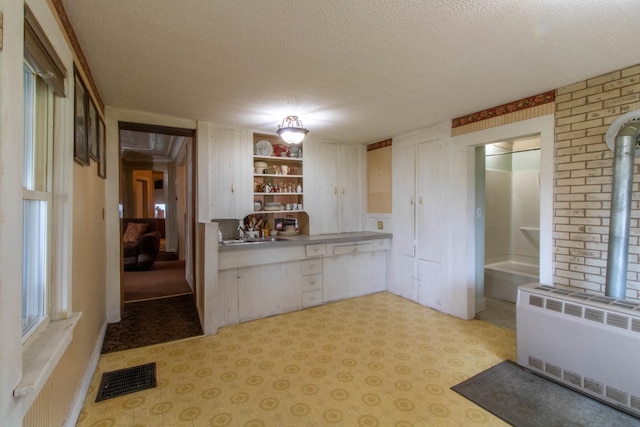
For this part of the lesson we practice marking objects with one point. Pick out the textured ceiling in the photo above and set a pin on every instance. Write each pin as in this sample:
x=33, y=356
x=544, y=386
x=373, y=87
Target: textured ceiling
x=145, y=147
x=353, y=70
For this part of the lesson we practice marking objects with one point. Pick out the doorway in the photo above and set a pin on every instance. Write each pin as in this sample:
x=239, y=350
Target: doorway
x=154, y=191
x=508, y=241
x=157, y=190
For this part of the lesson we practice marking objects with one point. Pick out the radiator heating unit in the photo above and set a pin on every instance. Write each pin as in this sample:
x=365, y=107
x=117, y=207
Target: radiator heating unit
x=590, y=343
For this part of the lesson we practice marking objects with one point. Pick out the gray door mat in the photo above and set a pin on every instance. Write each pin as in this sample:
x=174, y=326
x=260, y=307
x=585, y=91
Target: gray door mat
x=125, y=381
x=524, y=399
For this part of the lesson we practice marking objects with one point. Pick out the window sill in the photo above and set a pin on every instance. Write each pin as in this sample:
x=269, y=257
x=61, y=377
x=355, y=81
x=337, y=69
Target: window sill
x=40, y=358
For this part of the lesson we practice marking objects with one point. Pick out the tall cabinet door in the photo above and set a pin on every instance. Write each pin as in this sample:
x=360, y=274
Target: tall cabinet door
x=350, y=187
x=229, y=172
x=430, y=284
x=429, y=208
x=321, y=187
x=404, y=200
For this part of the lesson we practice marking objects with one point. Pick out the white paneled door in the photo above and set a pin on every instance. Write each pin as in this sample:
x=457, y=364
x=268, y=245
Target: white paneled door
x=429, y=207
x=404, y=201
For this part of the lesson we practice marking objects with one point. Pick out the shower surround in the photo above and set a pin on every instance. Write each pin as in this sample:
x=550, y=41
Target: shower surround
x=512, y=242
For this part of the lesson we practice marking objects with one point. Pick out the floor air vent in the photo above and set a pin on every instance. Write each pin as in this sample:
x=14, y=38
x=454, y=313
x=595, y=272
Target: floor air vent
x=125, y=381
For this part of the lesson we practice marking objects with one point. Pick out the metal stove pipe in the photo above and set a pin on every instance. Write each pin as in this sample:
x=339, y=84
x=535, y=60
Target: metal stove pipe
x=622, y=136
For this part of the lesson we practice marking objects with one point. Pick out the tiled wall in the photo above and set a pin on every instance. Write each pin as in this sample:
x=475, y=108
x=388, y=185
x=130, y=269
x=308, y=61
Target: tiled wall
x=582, y=180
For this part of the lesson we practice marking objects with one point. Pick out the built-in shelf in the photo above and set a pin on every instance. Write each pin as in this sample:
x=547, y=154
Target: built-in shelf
x=276, y=175
x=284, y=173
x=277, y=194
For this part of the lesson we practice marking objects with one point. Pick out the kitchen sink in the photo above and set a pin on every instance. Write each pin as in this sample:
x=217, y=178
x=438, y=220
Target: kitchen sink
x=250, y=241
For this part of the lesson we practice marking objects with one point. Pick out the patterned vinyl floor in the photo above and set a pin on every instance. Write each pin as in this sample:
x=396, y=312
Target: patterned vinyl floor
x=378, y=360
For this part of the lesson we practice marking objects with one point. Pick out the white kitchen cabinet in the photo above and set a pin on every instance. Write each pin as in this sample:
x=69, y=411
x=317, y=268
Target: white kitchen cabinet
x=375, y=273
x=291, y=283
x=429, y=197
x=356, y=269
x=404, y=200
x=226, y=297
x=351, y=187
x=253, y=283
x=229, y=172
x=311, y=282
x=430, y=280
x=334, y=187
x=419, y=232
x=269, y=289
x=340, y=275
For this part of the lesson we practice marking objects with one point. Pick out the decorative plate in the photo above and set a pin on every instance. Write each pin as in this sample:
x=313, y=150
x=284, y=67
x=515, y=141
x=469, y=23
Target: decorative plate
x=264, y=148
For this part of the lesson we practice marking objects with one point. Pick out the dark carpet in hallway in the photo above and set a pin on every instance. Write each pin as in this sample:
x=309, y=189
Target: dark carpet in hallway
x=153, y=322
x=166, y=278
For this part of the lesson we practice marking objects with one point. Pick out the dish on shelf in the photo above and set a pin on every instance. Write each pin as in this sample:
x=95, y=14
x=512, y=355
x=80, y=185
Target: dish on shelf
x=260, y=167
x=264, y=148
x=288, y=233
x=272, y=206
x=280, y=150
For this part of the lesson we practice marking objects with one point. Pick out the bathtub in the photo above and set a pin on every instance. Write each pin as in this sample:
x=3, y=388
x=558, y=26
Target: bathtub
x=501, y=280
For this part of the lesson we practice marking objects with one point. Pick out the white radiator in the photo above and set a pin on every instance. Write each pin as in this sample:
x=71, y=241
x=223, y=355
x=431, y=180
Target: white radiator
x=588, y=342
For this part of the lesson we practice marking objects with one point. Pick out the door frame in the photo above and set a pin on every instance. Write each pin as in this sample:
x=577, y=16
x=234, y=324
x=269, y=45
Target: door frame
x=190, y=203
x=463, y=209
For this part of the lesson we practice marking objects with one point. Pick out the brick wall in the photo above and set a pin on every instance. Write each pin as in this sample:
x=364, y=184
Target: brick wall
x=582, y=180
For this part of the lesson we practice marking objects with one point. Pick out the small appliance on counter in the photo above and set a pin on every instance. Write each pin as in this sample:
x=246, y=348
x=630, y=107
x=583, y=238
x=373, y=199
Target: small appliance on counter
x=286, y=226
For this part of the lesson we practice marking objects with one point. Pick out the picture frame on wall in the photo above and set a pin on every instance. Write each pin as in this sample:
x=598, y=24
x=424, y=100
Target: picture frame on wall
x=81, y=142
x=92, y=131
x=102, y=151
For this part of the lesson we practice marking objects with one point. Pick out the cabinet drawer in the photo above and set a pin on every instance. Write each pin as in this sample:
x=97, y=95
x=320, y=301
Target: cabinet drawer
x=312, y=298
x=312, y=283
x=315, y=250
x=353, y=248
x=311, y=266
x=382, y=244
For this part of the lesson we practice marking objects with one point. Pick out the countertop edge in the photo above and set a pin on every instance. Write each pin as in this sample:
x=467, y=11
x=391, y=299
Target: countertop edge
x=301, y=239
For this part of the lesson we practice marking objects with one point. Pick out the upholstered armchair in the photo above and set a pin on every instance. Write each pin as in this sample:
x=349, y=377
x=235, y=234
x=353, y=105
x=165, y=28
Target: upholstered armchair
x=141, y=243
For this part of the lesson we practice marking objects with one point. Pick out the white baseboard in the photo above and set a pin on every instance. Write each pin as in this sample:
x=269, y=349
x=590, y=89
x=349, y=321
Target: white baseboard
x=81, y=393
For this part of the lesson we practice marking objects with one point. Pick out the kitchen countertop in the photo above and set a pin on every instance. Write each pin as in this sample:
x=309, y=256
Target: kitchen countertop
x=303, y=239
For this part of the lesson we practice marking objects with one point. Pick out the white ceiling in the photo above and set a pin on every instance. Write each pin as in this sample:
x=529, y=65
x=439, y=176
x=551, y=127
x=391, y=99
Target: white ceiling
x=353, y=70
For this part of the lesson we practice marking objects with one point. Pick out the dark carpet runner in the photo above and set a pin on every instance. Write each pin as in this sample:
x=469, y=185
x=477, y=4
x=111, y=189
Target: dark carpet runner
x=153, y=322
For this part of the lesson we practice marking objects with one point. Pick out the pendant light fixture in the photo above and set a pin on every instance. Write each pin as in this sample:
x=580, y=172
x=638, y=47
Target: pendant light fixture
x=291, y=130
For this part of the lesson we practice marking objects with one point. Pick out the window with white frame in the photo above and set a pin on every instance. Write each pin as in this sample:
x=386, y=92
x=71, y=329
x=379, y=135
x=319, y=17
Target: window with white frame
x=43, y=80
x=36, y=198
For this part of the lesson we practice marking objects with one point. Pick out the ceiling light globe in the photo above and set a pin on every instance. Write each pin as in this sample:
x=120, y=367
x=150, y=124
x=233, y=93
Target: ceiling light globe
x=291, y=130
x=292, y=135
